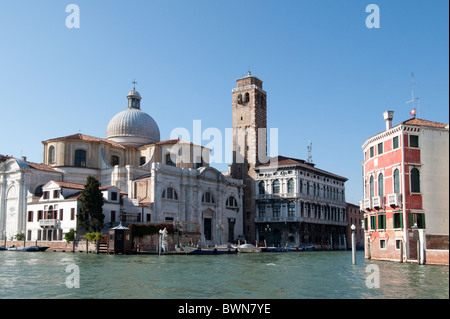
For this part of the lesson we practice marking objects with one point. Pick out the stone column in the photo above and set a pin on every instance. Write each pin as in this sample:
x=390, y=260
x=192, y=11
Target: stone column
x=2, y=206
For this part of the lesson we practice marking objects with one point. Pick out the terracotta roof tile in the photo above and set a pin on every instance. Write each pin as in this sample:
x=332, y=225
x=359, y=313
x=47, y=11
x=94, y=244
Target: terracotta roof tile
x=87, y=138
x=420, y=122
x=285, y=161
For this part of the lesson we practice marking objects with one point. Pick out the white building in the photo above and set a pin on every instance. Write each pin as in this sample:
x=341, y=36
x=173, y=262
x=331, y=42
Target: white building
x=164, y=181
x=298, y=203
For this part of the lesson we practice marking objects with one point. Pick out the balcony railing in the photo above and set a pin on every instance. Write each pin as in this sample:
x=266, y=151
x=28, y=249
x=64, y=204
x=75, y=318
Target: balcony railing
x=48, y=223
x=378, y=202
x=367, y=203
x=394, y=200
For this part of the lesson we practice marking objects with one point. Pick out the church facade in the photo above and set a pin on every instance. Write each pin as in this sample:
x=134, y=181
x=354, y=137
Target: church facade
x=154, y=181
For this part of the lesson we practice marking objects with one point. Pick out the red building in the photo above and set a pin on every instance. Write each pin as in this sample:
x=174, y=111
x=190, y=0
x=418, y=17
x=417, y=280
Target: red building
x=406, y=187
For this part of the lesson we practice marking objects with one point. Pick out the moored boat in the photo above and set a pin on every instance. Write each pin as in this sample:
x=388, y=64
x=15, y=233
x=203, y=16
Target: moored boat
x=192, y=250
x=248, y=248
x=29, y=248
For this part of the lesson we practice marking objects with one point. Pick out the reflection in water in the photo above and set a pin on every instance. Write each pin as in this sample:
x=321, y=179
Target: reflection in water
x=259, y=276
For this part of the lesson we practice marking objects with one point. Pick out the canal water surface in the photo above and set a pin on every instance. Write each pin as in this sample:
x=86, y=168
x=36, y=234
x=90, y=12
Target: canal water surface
x=296, y=275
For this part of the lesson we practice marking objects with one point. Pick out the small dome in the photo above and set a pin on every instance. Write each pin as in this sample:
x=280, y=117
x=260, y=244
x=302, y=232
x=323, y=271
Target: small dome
x=133, y=126
x=135, y=94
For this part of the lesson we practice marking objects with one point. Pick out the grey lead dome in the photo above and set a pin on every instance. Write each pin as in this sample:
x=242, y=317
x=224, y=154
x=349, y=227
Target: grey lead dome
x=133, y=126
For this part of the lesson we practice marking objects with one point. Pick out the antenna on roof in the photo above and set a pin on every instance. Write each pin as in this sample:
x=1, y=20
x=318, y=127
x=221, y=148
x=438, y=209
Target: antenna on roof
x=309, y=148
x=413, y=99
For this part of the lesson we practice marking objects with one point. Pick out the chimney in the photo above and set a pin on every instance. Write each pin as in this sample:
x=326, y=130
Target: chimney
x=388, y=117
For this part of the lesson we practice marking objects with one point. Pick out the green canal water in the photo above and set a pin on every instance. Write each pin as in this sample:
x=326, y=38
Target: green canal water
x=296, y=275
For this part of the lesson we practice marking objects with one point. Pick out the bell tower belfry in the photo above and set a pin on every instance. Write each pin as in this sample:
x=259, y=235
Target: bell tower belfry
x=249, y=104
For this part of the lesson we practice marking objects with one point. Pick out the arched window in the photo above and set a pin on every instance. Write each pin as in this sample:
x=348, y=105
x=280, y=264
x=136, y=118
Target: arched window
x=371, y=187
x=247, y=97
x=142, y=160
x=51, y=155
x=415, y=181
x=291, y=209
x=240, y=98
x=276, y=187
x=231, y=202
x=80, y=158
x=38, y=191
x=380, y=185
x=397, y=181
x=169, y=193
x=208, y=198
x=169, y=160
x=276, y=209
x=115, y=160
x=261, y=188
x=262, y=210
x=291, y=186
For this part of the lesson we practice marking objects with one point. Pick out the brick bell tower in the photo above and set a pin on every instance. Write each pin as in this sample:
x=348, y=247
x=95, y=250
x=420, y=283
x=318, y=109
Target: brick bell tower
x=249, y=141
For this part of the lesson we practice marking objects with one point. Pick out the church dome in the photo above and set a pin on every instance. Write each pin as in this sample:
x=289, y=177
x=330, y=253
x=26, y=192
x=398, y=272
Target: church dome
x=133, y=126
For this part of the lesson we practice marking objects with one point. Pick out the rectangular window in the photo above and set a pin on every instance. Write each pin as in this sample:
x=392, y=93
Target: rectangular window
x=113, y=216
x=413, y=141
x=30, y=216
x=395, y=142
x=398, y=244
x=61, y=214
x=46, y=195
x=366, y=224
x=398, y=220
x=373, y=222
x=382, y=221
x=56, y=193
x=72, y=214
x=113, y=195
x=417, y=219
x=382, y=243
x=380, y=148
x=372, y=152
x=39, y=216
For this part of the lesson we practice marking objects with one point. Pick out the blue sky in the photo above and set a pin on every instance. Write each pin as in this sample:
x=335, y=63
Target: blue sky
x=328, y=77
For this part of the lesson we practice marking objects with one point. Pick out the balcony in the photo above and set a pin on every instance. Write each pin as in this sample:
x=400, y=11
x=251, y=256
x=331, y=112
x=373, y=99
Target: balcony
x=378, y=202
x=394, y=200
x=279, y=219
x=367, y=203
x=45, y=223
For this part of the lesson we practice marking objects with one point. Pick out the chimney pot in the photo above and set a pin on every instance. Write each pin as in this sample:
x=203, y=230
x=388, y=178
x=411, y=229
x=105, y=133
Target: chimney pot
x=388, y=117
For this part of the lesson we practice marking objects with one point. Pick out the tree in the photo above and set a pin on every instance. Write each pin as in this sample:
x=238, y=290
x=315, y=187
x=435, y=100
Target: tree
x=91, y=216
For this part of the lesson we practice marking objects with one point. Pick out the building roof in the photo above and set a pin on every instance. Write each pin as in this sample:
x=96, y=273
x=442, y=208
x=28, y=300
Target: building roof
x=411, y=122
x=81, y=186
x=420, y=122
x=87, y=138
x=26, y=164
x=289, y=161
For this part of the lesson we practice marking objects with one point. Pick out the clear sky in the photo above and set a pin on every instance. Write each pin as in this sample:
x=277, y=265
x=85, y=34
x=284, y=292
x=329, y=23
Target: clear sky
x=328, y=76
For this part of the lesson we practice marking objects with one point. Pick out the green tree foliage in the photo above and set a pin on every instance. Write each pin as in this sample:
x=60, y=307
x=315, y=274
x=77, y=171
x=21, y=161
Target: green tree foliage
x=70, y=236
x=91, y=216
x=93, y=236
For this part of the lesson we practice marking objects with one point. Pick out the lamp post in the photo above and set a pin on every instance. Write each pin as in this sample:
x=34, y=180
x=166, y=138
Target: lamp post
x=353, y=227
x=220, y=228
